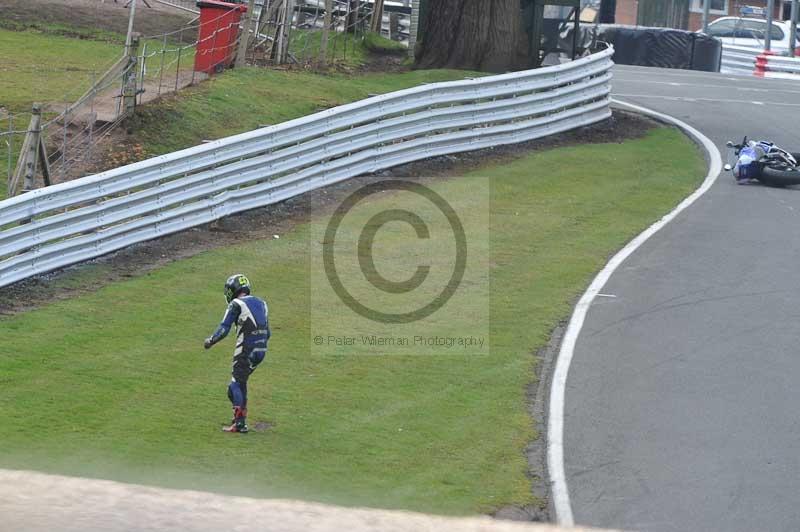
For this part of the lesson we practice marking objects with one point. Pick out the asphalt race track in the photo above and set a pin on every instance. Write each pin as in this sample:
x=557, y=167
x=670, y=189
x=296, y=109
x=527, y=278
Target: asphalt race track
x=682, y=403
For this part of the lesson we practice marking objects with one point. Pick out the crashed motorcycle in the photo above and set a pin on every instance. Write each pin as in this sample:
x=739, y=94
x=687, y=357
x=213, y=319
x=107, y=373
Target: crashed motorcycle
x=764, y=162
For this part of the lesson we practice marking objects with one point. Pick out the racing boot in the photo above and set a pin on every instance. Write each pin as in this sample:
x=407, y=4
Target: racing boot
x=239, y=420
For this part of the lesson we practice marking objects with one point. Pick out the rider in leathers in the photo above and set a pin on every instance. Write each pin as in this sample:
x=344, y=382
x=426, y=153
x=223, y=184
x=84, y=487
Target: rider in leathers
x=251, y=317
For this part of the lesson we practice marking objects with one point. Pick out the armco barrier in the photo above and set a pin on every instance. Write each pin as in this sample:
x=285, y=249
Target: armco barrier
x=777, y=66
x=50, y=228
x=755, y=62
x=739, y=60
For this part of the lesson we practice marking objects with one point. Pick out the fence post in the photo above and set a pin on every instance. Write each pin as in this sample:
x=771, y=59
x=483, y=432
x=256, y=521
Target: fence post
x=244, y=39
x=326, y=28
x=28, y=158
x=161, y=68
x=32, y=148
x=290, y=5
x=129, y=78
x=280, y=34
x=142, y=72
x=10, y=146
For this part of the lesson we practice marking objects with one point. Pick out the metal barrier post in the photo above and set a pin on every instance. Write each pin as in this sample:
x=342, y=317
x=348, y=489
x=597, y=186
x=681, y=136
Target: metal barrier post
x=706, y=10
x=414, y=28
x=10, y=142
x=161, y=68
x=770, y=14
x=142, y=71
x=793, y=28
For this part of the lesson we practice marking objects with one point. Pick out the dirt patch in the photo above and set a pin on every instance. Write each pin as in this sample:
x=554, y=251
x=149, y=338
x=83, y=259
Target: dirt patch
x=262, y=426
x=521, y=513
x=385, y=63
x=279, y=219
x=90, y=15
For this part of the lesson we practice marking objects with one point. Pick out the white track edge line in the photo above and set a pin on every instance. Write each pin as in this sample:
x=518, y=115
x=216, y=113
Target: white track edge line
x=555, y=421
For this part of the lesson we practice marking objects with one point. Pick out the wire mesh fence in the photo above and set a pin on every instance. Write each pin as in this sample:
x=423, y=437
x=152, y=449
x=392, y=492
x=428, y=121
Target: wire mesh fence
x=307, y=32
x=153, y=66
x=300, y=32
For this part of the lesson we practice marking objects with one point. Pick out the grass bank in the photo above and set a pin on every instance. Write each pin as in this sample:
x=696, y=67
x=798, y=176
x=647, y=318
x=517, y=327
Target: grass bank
x=247, y=98
x=48, y=67
x=44, y=68
x=345, y=50
x=41, y=67
x=115, y=384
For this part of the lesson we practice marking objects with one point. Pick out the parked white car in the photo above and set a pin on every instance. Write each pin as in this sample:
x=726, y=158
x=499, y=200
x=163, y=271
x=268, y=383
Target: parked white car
x=750, y=32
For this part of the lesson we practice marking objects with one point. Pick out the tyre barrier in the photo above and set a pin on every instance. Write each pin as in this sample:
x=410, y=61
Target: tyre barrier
x=662, y=47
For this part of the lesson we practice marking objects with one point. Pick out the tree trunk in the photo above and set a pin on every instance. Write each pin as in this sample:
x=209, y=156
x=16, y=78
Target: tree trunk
x=472, y=34
x=376, y=24
x=352, y=17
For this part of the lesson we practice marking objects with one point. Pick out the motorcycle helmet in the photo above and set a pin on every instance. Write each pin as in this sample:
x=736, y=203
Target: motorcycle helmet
x=747, y=165
x=235, y=285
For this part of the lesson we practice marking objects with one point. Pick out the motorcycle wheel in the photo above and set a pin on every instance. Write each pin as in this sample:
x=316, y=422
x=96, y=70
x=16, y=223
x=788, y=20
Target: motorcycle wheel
x=780, y=177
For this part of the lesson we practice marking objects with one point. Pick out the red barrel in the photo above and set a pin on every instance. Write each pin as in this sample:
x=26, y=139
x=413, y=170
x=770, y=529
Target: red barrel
x=219, y=30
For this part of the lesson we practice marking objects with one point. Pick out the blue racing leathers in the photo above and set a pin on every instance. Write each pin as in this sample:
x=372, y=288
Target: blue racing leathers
x=251, y=317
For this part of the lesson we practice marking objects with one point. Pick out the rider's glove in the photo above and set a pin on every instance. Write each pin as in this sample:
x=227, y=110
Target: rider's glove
x=208, y=343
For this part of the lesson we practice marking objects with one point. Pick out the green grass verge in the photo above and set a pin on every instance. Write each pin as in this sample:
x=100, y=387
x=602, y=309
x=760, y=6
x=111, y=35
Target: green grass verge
x=45, y=68
x=244, y=99
x=346, y=50
x=114, y=384
x=381, y=45
x=62, y=30
x=39, y=67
